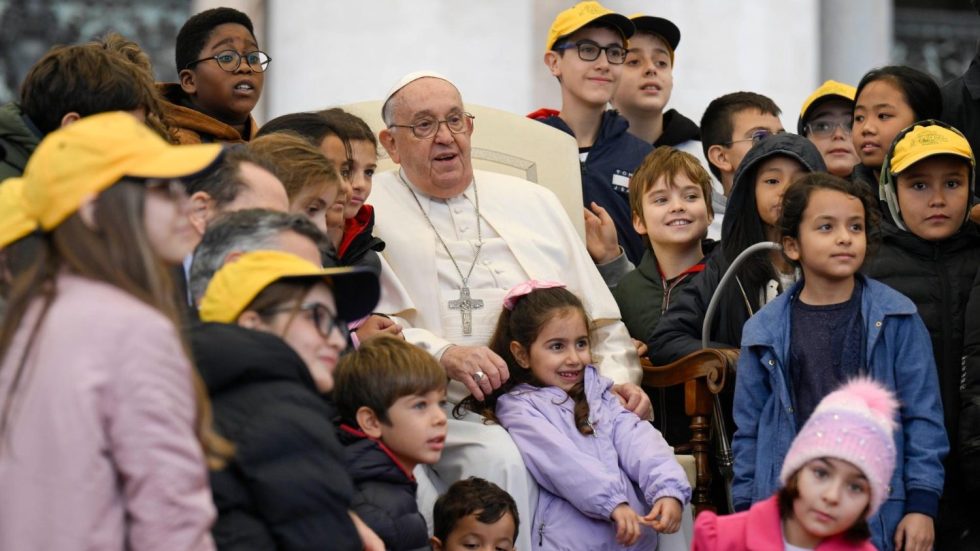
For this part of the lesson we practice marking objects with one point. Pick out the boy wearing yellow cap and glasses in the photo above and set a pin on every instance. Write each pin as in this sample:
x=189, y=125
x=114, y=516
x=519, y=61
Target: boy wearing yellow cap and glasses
x=585, y=51
x=825, y=119
x=931, y=254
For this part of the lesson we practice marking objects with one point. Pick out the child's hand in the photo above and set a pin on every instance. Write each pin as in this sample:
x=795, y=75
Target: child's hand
x=665, y=517
x=916, y=532
x=627, y=524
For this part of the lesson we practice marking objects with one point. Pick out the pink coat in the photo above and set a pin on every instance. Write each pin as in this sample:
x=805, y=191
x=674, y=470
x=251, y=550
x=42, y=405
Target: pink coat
x=100, y=451
x=758, y=529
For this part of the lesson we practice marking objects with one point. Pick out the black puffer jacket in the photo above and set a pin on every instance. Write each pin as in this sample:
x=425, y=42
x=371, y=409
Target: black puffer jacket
x=678, y=332
x=385, y=493
x=286, y=486
x=18, y=138
x=969, y=433
x=938, y=277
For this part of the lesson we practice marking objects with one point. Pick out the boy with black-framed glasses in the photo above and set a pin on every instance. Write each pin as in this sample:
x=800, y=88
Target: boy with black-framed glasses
x=585, y=51
x=221, y=73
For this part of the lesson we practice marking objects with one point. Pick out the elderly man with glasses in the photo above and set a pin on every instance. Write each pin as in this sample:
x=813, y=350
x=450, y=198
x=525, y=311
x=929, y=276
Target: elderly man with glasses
x=458, y=239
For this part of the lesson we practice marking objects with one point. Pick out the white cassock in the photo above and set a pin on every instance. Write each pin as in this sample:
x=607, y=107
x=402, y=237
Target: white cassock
x=526, y=234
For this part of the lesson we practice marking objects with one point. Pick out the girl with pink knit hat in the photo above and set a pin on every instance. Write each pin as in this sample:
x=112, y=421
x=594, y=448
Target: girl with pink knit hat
x=834, y=478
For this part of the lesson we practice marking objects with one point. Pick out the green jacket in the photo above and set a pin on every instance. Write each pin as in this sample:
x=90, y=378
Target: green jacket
x=17, y=141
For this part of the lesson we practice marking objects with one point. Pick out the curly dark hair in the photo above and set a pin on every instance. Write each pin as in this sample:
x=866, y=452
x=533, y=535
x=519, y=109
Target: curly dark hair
x=195, y=33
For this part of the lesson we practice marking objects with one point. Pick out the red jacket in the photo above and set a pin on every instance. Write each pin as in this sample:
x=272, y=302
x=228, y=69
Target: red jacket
x=758, y=529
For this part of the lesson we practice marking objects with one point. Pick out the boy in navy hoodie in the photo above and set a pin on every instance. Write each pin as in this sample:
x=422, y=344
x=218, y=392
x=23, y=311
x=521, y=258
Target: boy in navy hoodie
x=585, y=51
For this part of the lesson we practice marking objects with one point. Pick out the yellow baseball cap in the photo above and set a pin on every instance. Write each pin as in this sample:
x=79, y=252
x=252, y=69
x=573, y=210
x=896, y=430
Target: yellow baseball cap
x=926, y=141
x=583, y=13
x=828, y=89
x=88, y=156
x=14, y=221
x=237, y=283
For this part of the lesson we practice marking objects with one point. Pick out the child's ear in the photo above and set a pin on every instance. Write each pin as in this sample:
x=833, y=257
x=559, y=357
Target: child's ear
x=718, y=157
x=388, y=142
x=368, y=421
x=249, y=319
x=69, y=118
x=199, y=210
x=791, y=248
x=188, y=81
x=639, y=225
x=551, y=59
x=436, y=543
x=519, y=353
x=87, y=211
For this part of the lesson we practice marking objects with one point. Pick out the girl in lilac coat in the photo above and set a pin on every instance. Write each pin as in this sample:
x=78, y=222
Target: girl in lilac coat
x=608, y=479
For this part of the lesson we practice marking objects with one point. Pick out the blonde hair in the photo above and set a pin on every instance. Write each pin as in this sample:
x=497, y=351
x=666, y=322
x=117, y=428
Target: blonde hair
x=300, y=166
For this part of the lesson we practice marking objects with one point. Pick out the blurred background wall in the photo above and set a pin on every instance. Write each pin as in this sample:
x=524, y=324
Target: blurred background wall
x=328, y=52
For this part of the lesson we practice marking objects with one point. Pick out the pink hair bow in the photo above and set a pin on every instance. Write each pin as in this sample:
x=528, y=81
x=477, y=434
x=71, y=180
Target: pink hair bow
x=521, y=289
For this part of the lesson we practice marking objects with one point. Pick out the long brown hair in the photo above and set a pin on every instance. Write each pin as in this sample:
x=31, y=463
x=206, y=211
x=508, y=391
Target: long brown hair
x=115, y=251
x=523, y=325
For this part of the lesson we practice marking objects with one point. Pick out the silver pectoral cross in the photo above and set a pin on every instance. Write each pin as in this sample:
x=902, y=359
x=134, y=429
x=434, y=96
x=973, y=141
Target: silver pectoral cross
x=466, y=305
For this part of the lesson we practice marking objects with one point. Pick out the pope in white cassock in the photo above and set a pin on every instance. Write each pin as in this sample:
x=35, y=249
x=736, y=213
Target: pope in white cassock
x=457, y=240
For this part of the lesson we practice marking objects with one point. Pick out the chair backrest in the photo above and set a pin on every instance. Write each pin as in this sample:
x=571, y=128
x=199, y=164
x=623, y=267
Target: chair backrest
x=511, y=144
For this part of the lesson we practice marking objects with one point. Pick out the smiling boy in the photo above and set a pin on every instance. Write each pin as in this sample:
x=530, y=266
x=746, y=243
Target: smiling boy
x=221, y=72
x=585, y=51
x=670, y=200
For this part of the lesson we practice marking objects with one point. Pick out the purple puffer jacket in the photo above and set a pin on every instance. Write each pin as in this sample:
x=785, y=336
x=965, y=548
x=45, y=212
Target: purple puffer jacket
x=583, y=478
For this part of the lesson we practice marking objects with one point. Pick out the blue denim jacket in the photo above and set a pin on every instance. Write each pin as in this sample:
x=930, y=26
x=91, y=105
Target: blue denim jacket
x=899, y=355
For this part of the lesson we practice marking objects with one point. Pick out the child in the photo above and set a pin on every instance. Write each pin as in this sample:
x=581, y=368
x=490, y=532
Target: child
x=358, y=245
x=390, y=396
x=273, y=332
x=475, y=515
x=68, y=83
x=931, y=254
x=825, y=119
x=311, y=182
x=221, y=71
x=646, y=84
x=670, y=198
x=834, y=325
x=585, y=51
x=335, y=146
x=835, y=477
x=753, y=209
x=101, y=421
x=613, y=466
x=887, y=100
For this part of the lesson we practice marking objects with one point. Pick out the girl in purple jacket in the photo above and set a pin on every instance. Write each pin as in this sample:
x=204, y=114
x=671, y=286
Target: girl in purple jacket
x=608, y=479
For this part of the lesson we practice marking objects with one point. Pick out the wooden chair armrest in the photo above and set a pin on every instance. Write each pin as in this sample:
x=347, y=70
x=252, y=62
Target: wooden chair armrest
x=710, y=363
x=703, y=375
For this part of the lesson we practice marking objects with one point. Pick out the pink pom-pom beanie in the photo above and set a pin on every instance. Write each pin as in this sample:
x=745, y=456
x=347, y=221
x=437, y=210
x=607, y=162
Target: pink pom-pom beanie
x=854, y=423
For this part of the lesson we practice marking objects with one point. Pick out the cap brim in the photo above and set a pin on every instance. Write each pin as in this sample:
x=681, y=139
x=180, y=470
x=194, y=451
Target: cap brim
x=178, y=161
x=814, y=103
x=660, y=26
x=356, y=290
x=910, y=160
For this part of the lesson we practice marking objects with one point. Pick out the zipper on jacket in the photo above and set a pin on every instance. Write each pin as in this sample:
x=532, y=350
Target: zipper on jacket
x=541, y=535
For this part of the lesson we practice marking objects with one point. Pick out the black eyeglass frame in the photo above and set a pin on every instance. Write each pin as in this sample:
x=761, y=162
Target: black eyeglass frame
x=263, y=66
x=599, y=50
x=320, y=314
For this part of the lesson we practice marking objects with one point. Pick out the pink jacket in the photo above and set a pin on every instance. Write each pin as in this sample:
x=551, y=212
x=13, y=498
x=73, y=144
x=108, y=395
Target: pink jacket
x=99, y=451
x=758, y=529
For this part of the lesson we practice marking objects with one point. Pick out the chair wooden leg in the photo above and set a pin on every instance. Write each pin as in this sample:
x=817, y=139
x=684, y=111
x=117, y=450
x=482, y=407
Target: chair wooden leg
x=701, y=444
